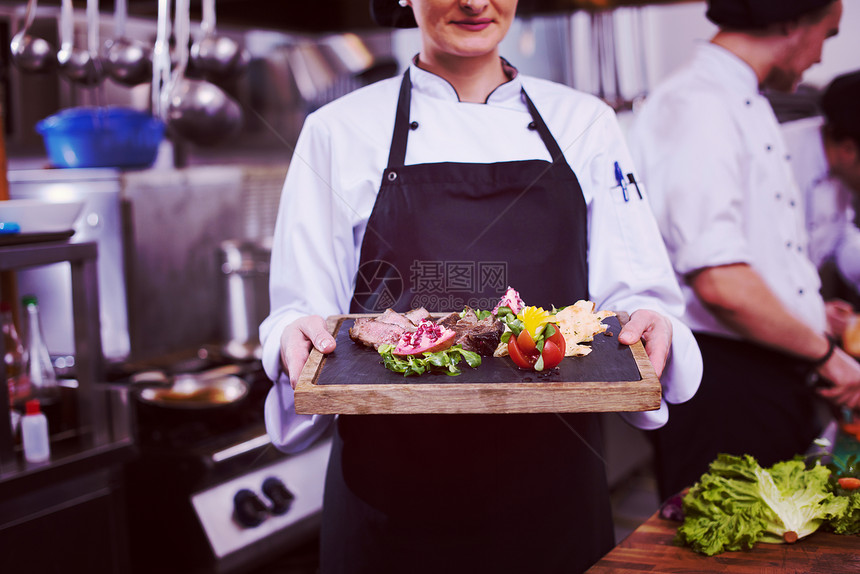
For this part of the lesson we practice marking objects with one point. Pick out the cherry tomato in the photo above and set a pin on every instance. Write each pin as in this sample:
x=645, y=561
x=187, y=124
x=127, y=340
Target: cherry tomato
x=849, y=483
x=851, y=428
x=552, y=355
x=520, y=359
x=525, y=342
x=559, y=341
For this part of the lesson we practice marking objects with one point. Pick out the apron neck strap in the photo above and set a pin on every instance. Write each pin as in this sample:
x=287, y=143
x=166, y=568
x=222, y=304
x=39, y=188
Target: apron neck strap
x=397, y=152
x=543, y=131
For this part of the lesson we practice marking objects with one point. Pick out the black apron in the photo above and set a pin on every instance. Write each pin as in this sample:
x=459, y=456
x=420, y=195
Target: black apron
x=468, y=493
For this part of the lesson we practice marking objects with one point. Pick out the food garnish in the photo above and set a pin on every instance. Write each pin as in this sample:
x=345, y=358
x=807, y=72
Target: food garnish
x=445, y=361
x=579, y=323
x=533, y=341
x=429, y=337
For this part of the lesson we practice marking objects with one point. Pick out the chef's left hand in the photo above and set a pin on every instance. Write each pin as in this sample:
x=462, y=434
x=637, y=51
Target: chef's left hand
x=654, y=330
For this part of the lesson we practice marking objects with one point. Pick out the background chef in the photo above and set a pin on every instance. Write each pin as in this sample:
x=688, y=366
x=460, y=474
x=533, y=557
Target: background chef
x=711, y=153
x=825, y=158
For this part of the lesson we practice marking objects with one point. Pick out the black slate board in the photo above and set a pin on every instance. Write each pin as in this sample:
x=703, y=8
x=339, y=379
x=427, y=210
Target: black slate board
x=608, y=361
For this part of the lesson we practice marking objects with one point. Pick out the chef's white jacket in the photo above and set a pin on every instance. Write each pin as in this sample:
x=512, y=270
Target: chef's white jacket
x=710, y=151
x=833, y=236
x=336, y=171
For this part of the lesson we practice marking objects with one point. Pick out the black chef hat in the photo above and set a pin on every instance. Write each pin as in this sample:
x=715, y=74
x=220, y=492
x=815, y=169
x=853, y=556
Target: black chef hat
x=391, y=14
x=758, y=14
x=841, y=106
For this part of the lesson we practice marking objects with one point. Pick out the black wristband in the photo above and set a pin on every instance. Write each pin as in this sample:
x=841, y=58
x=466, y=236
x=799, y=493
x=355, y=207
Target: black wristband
x=831, y=347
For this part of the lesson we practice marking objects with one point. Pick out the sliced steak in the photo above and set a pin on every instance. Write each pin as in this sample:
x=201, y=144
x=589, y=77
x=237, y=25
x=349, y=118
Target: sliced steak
x=417, y=315
x=394, y=318
x=480, y=337
x=449, y=320
x=373, y=333
x=483, y=336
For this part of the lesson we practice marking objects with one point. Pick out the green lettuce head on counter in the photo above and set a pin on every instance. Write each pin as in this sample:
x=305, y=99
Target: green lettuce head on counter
x=738, y=503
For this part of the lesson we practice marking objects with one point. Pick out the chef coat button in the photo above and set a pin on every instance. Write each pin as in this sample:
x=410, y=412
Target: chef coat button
x=800, y=291
x=788, y=157
x=788, y=244
x=791, y=203
x=748, y=102
x=392, y=175
x=768, y=147
x=413, y=126
x=532, y=126
x=778, y=195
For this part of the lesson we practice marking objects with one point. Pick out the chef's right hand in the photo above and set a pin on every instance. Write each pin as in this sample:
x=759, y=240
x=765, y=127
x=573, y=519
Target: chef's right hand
x=843, y=371
x=296, y=342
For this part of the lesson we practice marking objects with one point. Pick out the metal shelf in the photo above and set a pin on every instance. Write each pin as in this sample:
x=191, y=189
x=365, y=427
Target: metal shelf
x=91, y=404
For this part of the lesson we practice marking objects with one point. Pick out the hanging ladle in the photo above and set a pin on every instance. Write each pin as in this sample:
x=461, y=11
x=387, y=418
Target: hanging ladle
x=197, y=110
x=77, y=64
x=31, y=53
x=126, y=61
x=217, y=57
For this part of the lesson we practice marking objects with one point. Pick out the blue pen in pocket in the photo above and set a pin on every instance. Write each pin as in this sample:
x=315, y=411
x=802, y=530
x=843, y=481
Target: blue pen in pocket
x=619, y=177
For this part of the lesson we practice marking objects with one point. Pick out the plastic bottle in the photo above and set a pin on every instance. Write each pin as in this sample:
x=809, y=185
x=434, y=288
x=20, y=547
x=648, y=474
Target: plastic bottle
x=34, y=433
x=13, y=359
x=37, y=360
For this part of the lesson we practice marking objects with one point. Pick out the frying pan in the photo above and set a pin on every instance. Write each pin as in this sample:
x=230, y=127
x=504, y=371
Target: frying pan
x=192, y=390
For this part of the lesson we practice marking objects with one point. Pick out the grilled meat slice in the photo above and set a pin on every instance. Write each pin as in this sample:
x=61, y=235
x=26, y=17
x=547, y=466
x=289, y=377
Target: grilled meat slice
x=387, y=328
x=416, y=315
x=449, y=320
x=481, y=337
x=373, y=333
x=393, y=317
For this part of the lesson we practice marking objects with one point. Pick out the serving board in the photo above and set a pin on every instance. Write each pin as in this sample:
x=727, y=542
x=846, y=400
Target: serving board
x=352, y=380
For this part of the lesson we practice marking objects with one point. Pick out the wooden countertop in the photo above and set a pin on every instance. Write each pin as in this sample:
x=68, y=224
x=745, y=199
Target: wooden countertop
x=649, y=549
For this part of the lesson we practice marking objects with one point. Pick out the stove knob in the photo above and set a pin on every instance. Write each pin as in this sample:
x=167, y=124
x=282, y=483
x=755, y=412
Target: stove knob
x=248, y=509
x=279, y=494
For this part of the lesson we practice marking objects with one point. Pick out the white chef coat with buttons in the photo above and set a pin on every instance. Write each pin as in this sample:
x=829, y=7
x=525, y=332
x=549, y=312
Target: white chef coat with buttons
x=833, y=236
x=335, y=174
x=711, y=154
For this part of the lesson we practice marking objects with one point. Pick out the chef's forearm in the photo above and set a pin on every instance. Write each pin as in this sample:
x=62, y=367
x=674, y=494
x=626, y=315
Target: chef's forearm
x=739, y=297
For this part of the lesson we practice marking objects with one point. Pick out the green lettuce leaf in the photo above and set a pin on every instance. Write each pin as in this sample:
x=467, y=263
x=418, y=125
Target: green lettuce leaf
x=446, y=361
x=738, y=503
x=849, y=521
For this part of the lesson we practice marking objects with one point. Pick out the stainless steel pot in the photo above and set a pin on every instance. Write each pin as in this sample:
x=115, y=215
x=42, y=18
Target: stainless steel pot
x=245, y=267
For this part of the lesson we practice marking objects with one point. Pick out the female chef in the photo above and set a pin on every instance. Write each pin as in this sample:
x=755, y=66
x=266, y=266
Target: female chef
x=443, y=185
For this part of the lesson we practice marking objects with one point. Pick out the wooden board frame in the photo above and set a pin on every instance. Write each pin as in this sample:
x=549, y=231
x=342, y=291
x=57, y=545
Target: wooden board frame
x=462, y=398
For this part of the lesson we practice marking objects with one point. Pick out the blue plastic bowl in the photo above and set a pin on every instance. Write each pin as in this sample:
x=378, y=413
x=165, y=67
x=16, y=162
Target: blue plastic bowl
x=101, y=137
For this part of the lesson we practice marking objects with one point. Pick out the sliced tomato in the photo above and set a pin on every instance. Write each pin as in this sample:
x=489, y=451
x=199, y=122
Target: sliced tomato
x=525, y=342
x=552, y=355
x=849, y=483
x=522, y=360
x=559, y=341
